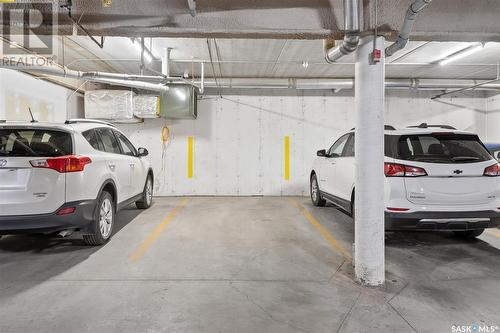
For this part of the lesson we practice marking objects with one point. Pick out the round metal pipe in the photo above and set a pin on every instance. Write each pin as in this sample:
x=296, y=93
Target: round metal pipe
x=404, y=33
x=351, y=28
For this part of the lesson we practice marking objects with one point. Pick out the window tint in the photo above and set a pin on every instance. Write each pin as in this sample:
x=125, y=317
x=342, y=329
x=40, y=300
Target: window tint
x=127, y=147
x=441, y=148
x=349, y=147
x=108, y=140
x=389, y=142
x=92, y=138
x=34, y=142
x=338, y=146
x=349, y=150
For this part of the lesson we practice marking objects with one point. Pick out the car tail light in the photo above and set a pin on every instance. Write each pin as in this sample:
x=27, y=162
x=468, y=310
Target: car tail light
x=63, y=164
x=66, y=211
x=492, y=171
x=401, y=170
x=395, y=209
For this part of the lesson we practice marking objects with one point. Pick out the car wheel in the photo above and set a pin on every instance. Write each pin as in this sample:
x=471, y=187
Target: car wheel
x=102, y=226
x=147, y=195
x=316, y=198
x=468, y=233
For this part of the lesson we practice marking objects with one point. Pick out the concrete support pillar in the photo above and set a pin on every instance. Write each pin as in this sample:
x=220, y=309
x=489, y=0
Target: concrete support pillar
x=369, y=191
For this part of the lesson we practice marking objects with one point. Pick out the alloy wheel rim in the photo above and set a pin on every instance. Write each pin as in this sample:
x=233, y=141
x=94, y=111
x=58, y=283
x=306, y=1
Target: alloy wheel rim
x=106, y=218
x=314, y=189
x=149, y=192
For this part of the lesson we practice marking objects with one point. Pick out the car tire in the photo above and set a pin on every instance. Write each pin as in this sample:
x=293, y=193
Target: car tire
x=147, y=195
x=316, y=198
x=102, y=226
x=468, y=233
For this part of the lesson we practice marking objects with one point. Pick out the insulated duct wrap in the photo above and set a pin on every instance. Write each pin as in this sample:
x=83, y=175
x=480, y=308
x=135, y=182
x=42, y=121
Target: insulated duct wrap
x=146, y=106
x=112, y=105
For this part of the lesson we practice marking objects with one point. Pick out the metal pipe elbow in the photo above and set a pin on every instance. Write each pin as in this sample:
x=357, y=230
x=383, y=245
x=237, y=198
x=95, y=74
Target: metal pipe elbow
x=349, y=45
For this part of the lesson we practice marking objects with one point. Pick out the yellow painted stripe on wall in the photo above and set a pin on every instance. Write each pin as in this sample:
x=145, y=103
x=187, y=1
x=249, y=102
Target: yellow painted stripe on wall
x=190, y=157
x=287, y=157
x=158, y=106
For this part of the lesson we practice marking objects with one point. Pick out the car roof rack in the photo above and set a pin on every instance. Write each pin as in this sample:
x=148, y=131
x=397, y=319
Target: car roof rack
x=386, y=127
x=425, y=125
x=89, y=121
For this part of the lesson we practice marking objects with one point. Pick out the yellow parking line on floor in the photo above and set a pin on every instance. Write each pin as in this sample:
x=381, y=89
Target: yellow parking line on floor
x=493, y=232
x=322, y=230
x=156, y=232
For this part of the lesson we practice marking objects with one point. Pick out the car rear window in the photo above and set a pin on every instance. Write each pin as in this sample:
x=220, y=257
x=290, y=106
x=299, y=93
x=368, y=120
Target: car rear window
x=21, y=142
x=439, y=148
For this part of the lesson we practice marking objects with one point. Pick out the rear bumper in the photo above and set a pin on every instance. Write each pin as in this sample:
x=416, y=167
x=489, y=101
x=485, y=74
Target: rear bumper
x=80, y=219
x=458, y=221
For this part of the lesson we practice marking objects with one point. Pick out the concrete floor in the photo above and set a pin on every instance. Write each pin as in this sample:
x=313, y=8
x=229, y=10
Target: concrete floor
x=243, y=265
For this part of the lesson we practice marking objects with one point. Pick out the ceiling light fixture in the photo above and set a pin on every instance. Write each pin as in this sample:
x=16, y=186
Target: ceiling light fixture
x=462, y=53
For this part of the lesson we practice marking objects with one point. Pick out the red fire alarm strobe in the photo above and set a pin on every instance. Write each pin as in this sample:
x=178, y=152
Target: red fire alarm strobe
x=376, y=55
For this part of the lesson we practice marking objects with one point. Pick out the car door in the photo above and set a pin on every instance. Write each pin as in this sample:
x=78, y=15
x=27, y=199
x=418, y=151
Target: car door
x=345, y=171
x=137, y=172
x=117, y=163
x=328, y=168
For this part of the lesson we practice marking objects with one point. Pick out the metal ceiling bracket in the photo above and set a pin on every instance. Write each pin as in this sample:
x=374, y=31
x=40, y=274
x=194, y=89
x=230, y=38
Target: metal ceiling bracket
x=78, y=24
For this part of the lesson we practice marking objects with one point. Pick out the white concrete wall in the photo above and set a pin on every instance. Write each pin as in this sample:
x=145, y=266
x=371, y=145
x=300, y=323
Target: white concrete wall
x=48, y=101
x=238, y=140
x=493, y=119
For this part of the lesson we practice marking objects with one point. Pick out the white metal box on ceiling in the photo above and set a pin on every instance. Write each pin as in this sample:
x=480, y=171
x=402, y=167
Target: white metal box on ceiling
x=179, y=102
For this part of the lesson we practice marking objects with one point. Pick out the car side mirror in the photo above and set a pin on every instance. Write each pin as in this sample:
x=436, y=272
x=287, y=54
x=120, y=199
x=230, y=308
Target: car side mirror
x=321, y=153
x=141, y=152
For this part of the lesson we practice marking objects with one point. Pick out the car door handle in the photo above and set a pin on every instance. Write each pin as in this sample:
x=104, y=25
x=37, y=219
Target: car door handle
x=112, y=167
x=131, y=165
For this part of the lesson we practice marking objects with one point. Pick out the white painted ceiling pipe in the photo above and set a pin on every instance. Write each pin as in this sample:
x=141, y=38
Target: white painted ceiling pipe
x=341, y=84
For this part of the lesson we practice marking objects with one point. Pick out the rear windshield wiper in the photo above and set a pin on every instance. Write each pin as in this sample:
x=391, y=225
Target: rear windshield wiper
x=427, y=158
x=464, y=158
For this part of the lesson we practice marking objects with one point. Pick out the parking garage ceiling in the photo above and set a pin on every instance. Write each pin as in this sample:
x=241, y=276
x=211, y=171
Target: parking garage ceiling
x=274, y=38
x=277, y=58
x=303, y=19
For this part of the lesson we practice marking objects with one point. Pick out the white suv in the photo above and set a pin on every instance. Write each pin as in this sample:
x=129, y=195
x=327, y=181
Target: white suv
x=436, y=178
x=69, y=177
